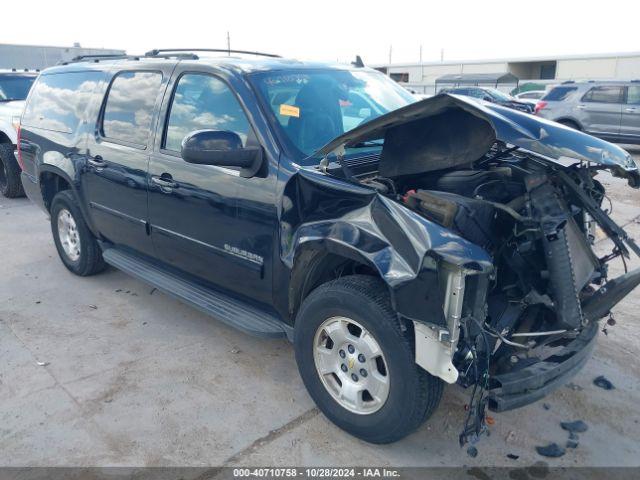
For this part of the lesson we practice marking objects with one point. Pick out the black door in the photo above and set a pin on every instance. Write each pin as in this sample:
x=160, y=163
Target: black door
x=115, y=178
x=207, y=220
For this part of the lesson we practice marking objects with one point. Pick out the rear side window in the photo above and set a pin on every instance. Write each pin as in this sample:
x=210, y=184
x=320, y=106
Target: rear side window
x=558, y=94
x=129, y=107
x=604, y=94
x=58, y=101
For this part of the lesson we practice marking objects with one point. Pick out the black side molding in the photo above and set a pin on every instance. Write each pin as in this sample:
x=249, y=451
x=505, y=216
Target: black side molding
x=225, y=308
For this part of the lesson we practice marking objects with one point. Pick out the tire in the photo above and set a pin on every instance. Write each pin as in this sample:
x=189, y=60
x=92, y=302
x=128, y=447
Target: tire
x=10, y=184
x=413, y=394
x=88, y=260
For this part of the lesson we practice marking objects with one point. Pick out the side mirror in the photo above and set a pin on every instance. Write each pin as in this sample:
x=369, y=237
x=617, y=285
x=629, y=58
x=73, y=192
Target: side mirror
x=222, y=148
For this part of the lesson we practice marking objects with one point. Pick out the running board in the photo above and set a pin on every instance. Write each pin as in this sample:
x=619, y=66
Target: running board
x=233, y=312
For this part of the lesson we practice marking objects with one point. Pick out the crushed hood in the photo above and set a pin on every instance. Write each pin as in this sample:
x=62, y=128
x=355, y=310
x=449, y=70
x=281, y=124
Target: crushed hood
x=448, y=130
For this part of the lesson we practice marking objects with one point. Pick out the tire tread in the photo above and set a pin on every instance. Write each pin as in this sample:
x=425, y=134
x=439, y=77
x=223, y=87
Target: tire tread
x=429, y=388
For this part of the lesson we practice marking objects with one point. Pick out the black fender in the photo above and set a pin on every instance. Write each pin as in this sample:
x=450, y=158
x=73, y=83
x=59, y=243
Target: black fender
x=329, y=214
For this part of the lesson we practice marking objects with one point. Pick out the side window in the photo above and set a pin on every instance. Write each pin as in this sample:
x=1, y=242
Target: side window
x=604, y=94
x=129, y=107
x=558, y=94
x=633, y=95
x=203, y=102
x=59, y=100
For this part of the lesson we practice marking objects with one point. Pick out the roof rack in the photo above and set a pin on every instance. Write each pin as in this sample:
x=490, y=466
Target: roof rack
x=97, y=58
x=82, y=58
x=159, y=51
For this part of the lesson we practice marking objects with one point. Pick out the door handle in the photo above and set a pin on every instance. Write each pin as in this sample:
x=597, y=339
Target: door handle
x=630, y=109
x=96, y=162
x=581, y=107
x=165, y=182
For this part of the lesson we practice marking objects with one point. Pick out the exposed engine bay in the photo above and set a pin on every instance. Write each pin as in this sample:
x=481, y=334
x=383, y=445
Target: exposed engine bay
x=525, y=192
x=541, y=303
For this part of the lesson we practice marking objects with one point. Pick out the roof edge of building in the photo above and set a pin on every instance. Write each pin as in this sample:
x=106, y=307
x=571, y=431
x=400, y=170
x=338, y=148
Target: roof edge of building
x=548, y=58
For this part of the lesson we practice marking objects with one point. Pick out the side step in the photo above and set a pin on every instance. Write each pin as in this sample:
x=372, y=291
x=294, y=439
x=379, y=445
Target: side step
x=233, y=312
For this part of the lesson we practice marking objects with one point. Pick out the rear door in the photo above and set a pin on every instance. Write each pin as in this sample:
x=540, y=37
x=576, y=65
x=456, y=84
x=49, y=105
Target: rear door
x=600, y=110
x=630, y=123
x=115, y=178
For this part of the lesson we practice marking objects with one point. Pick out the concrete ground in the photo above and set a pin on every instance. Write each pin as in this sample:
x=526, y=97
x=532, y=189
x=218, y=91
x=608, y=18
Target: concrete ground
x=104, y=371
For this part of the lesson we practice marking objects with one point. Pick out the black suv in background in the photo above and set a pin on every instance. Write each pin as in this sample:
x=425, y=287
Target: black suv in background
x=493, y=95
x=399, y=244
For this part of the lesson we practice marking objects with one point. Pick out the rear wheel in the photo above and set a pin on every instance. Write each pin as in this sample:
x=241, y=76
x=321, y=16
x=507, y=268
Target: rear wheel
x=10, y=185
x=76, y=245
x=357, y=361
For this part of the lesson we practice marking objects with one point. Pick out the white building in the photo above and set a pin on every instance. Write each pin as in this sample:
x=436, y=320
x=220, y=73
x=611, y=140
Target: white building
x=38, y=57
x=422, y=77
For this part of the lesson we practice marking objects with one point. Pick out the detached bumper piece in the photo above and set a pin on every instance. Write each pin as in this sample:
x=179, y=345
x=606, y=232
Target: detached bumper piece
x=608, y=296
x=519, y=388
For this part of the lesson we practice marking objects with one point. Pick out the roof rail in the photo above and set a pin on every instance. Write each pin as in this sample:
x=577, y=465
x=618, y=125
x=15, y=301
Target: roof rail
x=159, y=51
x=97, y=58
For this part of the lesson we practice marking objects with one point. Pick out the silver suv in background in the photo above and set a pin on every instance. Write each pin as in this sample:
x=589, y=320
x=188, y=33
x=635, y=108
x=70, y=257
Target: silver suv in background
x=609, y=110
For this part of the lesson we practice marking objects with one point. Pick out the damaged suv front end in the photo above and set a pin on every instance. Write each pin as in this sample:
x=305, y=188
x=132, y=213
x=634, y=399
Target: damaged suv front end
x=520, y=313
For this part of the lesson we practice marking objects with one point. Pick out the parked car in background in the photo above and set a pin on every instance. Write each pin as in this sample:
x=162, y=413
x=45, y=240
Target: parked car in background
x=14, y=87
x=532, y=96
x=609, y=110
x=493, y=95
x=399, y=244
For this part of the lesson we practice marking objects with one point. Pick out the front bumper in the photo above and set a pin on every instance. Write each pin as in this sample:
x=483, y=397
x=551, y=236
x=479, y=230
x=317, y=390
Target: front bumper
x=527, y=385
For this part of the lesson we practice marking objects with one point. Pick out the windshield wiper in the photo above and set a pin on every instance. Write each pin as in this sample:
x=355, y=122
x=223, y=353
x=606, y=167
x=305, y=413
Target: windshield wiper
x=10, y=99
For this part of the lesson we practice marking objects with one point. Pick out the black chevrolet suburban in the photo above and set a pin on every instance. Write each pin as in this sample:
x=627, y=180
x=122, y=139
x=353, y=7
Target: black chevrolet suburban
x=399, y=244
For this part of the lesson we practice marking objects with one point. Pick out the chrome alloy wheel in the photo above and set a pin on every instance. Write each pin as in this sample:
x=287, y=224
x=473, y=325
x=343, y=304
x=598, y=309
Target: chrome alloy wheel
x=68, y=235
x=351, y=365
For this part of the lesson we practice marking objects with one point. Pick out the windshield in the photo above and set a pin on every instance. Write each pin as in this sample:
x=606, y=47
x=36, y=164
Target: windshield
x=312, y=107
x=15, y=87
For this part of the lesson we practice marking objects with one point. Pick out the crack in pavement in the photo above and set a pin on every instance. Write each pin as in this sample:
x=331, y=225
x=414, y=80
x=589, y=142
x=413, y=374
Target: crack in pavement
x=260, y=442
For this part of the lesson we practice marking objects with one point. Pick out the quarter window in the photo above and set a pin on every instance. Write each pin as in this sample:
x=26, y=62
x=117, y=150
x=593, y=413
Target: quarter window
x=59, y=101
x=203, y=102
x=129, y=108
x=604, y=95
x=558, y=94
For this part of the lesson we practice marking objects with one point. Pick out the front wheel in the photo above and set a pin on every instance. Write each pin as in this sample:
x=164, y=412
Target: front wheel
x=357, y=361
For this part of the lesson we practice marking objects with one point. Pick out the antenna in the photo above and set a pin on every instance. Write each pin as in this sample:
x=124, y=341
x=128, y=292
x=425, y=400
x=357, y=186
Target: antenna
x=358, y=62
